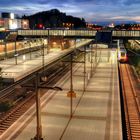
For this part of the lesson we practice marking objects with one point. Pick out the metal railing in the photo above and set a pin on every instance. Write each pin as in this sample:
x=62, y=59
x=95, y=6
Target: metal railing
x=86, y=33
x=76, y=33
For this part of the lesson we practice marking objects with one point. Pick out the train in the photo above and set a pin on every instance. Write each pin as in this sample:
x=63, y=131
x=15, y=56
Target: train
x=122, y=54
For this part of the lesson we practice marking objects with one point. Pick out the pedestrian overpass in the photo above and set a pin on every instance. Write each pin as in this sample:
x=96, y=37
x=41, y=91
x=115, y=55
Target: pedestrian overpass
x=116, y=34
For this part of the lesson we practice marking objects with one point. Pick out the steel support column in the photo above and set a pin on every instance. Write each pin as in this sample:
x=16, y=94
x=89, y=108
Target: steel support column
x=16, y=55
x=84, y=88
x=38, y=112
x=91, y=60
x=71, y=85
x=5, y=48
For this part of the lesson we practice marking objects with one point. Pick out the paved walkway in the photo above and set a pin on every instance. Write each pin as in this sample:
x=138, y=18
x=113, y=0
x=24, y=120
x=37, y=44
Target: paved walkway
x=96, y=112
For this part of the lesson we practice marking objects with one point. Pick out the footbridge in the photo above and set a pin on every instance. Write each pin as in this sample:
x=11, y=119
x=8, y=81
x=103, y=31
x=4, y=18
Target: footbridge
x=115, y=34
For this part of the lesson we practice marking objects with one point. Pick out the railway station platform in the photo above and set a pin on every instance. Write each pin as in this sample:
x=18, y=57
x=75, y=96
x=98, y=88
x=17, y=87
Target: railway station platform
x=26, y=65
x=96, y=112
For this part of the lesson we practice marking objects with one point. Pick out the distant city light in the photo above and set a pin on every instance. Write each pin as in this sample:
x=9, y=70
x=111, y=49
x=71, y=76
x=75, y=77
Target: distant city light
x=40, y=25
x=111, y=25
x=12, y=24
x=12, y=16
x=24, y=22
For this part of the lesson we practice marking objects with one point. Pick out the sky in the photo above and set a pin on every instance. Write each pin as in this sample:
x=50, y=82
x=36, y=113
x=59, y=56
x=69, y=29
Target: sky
x=90, y=10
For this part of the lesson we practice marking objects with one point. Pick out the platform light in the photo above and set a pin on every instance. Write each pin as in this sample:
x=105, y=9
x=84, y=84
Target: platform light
x=16, y=55
x=24, y=57
x=45, y=41
x=54, y=43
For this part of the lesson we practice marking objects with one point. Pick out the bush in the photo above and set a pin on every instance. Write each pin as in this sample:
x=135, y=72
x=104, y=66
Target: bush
x=5, y=106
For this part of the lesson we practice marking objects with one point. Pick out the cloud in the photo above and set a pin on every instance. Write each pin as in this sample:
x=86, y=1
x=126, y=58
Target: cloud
x=131, y=2
x=91, y=10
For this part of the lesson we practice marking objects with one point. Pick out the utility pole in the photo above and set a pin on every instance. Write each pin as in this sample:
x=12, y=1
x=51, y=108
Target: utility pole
x=16, y=55
x=38, y=112
x=91, y=60
x=71, y=93
x=84, y=68
x=5, y=48
x=38, y=135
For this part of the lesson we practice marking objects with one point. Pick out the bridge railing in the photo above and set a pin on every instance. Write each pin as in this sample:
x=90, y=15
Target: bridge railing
x=76, y=33
x=57, y=32
x=32, y=32
x=126, y=33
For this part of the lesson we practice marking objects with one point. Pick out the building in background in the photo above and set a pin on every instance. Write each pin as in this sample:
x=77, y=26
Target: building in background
x=11, y=21
x=24, y=23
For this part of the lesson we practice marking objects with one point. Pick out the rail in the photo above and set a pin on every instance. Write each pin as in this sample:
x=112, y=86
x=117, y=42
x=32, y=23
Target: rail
x=7, y=120
x=131, y=104
x=134, y=52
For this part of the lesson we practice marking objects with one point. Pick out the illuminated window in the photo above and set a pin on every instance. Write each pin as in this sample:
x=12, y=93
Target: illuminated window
x=12, y=16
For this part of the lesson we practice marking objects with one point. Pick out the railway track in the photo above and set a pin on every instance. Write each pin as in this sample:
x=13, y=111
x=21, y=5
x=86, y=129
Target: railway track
x=13, y=114
x=5, y=94
x=9, y=117
x=131, y=104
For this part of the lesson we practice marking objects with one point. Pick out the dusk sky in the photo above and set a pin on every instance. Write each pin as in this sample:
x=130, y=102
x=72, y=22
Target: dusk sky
x=91, y=10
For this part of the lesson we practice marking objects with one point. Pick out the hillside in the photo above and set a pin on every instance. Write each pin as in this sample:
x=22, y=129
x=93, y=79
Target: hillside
x=54, y=19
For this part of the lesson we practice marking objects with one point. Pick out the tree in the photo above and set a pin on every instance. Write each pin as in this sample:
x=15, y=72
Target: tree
x=5, y=106
x=53, y=18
